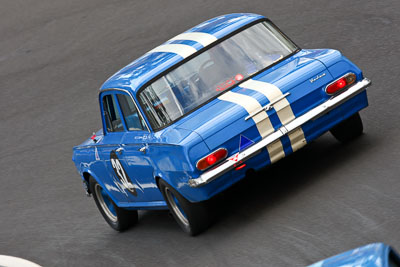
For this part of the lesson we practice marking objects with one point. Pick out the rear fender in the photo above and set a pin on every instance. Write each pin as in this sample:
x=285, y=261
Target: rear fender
x=334, y=61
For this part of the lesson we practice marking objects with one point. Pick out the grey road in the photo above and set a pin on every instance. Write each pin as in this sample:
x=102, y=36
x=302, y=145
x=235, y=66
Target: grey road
x=322, y=200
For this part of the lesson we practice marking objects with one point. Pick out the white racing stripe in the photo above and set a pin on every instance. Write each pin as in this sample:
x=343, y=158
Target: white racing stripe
x=297, y=139
x=275, y=151
x=261, y=120
x=180, y=49
x=272, y=92
x=282, y=108
x=203, y=38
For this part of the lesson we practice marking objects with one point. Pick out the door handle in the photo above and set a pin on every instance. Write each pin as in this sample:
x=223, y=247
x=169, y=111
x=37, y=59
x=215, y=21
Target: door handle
x=143, y=149
x=119, y=150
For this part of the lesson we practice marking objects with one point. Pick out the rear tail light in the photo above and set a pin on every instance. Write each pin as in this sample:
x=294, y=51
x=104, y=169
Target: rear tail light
x=212, y=159
x=340, y=83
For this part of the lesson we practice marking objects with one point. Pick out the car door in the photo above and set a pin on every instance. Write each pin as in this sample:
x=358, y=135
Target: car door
x=136, y=152
x=107, y=148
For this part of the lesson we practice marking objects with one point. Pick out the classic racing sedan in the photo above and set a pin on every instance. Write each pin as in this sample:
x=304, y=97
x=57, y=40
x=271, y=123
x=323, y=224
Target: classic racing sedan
x=191, y=117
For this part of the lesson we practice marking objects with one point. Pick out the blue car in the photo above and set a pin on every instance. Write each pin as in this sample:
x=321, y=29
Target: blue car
x=372, y=255
x=191, y=117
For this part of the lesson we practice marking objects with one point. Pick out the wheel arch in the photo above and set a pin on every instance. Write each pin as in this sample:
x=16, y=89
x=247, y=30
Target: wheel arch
x=176, y=182
x=157, y=179
x=165, y=178
x=86, y=174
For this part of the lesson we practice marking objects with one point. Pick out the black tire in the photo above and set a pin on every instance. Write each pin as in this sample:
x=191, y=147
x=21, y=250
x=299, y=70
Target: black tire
x=348, y=129
x=118, y=218
x=193, y=218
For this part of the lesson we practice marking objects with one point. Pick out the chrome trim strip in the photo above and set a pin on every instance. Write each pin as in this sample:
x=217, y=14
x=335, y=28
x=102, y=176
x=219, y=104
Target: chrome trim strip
x=268, y=106
x=316, y=112
x=134, y=102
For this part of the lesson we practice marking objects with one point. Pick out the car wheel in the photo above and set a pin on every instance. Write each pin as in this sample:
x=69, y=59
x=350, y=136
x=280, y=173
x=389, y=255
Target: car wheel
x=118, y=218
x=348, y=129
x=193, y=218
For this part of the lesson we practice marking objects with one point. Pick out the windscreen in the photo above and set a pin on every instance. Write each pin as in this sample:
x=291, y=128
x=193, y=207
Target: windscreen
x=215, y=70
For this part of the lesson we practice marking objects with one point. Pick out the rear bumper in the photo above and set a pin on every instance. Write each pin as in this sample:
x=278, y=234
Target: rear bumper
x=248, y=153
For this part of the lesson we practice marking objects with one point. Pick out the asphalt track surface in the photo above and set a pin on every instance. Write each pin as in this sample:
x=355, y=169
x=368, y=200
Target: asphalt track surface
x=322, y=200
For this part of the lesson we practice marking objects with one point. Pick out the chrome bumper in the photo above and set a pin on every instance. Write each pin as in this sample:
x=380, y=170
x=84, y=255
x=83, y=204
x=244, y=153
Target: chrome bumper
x=313, y=114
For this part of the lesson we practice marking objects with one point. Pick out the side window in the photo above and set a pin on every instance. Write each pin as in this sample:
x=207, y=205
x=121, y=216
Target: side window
x=132, y=119
x=111, y=114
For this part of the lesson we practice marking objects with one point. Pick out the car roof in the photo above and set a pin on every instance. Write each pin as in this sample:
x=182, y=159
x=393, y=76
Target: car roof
x=140, y=71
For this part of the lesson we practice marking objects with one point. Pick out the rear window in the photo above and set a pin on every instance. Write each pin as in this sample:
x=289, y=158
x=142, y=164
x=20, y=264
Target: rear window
x=215, y=70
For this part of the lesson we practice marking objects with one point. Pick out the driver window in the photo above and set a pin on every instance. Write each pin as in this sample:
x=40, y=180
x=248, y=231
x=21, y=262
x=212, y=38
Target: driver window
x=132, y=119
x=111, y=114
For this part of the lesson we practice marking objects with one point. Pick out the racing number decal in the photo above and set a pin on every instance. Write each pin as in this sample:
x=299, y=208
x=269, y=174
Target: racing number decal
x=121, y=173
